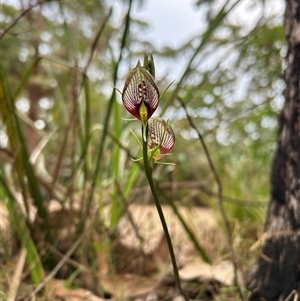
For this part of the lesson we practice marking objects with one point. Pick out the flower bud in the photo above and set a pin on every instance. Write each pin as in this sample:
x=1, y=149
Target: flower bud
x=149, y=64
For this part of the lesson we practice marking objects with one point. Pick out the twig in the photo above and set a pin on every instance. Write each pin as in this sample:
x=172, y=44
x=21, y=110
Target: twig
x=58, y=266
x=76, y=84
x=22, y=14
x=41, y=145
x=129, y=215
x=220, y=197
x=93, y=47
x=206, y=190
x=59, y=159
x=14, y=286
x=72, y=262
x=292, y=294
x=266, y=236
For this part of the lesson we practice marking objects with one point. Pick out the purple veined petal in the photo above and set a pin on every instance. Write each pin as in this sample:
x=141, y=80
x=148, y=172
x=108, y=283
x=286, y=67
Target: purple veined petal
x=160, y=134
x=140, y=88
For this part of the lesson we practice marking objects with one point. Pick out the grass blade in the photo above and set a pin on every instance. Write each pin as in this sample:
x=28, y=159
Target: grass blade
x=109, y=109
x=213, y=25
x=18, y=146
x=19, y=223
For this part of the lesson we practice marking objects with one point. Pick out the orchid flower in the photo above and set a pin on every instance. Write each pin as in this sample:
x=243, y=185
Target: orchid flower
x=140, y=94
x=140, y=97
x=160, y=138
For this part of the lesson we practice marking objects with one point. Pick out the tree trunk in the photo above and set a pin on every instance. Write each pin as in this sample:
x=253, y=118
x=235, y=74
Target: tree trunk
x=278, y=273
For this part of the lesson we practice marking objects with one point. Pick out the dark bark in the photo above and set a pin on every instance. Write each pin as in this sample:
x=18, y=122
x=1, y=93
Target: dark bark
x=278, y=271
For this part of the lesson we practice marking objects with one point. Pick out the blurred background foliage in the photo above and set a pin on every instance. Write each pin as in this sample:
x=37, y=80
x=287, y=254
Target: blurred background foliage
x=231, y=85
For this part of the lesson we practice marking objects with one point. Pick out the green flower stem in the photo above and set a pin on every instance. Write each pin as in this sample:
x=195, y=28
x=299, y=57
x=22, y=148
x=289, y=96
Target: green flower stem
x=148, y=171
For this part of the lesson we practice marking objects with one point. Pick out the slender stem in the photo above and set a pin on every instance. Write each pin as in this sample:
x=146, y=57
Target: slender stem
x=220, y=200
x=148, y=171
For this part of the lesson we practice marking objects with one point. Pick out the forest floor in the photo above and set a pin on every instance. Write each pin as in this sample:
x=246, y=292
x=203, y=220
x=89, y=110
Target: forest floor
x=140, y=261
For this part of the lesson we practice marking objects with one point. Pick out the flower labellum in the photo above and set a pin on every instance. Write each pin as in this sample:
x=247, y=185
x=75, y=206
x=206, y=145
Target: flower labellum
x=160, y=138
x=140, y=94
